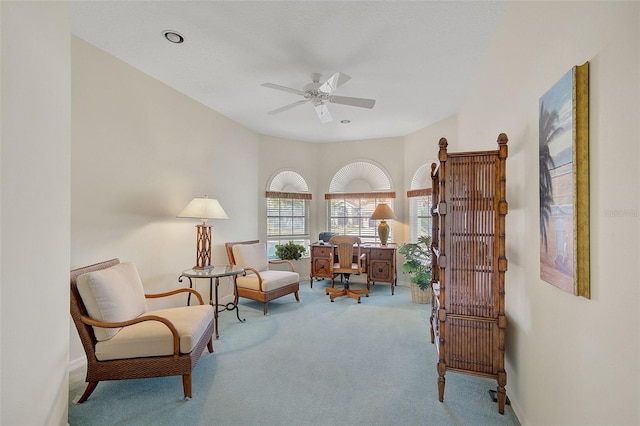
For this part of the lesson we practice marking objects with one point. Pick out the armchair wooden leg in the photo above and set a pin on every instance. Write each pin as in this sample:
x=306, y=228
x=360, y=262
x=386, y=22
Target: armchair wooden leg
x=87, y=392
x=297, y=297
x=264, y=308
x=186, y=385
x=210, y=345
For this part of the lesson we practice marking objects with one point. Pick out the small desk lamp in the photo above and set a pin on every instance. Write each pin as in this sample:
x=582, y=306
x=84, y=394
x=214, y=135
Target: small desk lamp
x=203, y=208
x=382, y=212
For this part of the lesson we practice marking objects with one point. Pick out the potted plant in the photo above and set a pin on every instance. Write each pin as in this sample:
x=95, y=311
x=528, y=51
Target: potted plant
x=418, y=264
x=290, y=251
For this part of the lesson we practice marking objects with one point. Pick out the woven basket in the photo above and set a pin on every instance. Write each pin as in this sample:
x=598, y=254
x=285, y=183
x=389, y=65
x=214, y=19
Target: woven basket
x=418, y=295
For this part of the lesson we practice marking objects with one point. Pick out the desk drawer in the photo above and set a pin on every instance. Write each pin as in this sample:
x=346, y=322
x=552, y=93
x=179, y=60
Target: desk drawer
x=380, y=271
x=321, y=251
x=381, y=254
x=320, y=268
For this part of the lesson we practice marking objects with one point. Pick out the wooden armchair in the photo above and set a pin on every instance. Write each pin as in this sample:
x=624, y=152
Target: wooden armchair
x=347, y=258
x=259, y=283
x=122, y=339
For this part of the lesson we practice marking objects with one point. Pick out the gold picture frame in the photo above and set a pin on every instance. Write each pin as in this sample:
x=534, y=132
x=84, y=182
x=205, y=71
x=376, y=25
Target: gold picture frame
x=564, y=183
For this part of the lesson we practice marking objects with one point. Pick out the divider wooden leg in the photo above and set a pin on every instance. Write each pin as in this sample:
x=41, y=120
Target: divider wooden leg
x=441, y=381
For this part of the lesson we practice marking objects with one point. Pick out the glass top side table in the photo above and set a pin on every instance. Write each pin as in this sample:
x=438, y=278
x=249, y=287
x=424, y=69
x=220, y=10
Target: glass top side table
x=215, y=273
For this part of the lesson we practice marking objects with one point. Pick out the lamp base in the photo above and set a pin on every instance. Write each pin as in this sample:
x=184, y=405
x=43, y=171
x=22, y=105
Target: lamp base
x=203, y=247
x=383, y=232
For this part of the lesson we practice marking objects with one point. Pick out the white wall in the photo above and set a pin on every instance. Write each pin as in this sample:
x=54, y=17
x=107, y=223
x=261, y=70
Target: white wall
x=569, y=360
x=34, y=215
x=421, y=147
x=140, y=152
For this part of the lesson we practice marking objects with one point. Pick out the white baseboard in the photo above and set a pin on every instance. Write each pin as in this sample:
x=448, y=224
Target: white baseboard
x=77, y=366
x=77, y=363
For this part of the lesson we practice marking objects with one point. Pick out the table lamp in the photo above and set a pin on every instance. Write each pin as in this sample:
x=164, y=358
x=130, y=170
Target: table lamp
x=203, y=208
x=382, y=212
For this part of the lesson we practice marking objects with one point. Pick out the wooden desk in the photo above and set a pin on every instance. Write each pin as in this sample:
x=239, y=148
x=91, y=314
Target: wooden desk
x=381, y=263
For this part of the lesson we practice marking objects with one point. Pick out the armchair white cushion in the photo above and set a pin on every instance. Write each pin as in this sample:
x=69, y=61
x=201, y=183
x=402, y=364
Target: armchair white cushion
x=269, y=280
x=114, y=294
x=251, y=256
x=152, y=338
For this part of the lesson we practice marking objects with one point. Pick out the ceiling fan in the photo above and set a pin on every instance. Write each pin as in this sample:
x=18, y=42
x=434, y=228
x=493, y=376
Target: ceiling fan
x=319, y=93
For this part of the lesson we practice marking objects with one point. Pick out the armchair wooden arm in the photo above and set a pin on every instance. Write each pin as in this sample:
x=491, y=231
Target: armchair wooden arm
x=176, y=337
x=174, y=292
x=280, y=261
x=248, y=269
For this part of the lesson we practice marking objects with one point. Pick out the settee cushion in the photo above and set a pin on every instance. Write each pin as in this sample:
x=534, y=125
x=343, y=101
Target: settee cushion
x=112, y=294
x=251, y=256
x=153, y=338
x=271, y=280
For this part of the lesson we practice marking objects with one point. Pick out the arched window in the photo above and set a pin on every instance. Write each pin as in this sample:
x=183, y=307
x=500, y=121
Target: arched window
x=354, y=192
x=287, y=210
x=420, y=203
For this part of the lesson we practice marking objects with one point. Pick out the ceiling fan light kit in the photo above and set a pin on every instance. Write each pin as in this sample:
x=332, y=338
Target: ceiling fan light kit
x=319, y=93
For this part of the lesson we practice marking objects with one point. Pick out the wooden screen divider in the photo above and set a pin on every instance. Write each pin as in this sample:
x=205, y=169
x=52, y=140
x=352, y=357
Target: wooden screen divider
x=468, y=319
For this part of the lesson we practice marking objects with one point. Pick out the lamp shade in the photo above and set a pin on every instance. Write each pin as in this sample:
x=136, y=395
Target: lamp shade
x=383, y=211
x=204, y=208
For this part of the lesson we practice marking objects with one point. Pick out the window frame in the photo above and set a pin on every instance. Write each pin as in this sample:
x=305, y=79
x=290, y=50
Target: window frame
x=362, y=221
x=419, y=220
x=287, y=201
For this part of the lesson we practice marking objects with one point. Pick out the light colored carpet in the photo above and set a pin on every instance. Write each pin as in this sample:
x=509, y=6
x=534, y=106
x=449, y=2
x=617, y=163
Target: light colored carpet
x=308, y=363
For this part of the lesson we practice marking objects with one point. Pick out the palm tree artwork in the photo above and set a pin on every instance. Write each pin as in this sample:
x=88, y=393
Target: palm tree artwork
x=555, y=138
x=548, y=127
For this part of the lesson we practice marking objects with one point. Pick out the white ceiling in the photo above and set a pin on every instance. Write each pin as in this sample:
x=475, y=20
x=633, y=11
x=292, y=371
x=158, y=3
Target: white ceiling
x=416, y=58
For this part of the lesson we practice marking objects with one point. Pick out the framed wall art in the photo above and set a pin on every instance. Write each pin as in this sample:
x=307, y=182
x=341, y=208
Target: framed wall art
x=564, y=183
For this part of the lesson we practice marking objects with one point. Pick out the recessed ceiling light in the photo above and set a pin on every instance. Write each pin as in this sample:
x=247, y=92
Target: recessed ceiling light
x=345, y=121
x=173, y=36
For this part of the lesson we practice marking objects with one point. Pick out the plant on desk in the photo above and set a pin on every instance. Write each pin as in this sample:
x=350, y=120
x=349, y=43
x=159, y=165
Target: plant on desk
x=290, y=251
x=418, y=264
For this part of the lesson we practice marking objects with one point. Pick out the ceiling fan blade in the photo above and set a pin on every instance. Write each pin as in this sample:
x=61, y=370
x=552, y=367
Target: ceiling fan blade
x=335, y=81
x=284, y=88
x=289, y=106
x=323, y=113
x=358, y=102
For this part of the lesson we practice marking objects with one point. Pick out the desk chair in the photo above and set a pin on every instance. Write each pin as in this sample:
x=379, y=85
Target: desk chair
x=347, y=259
